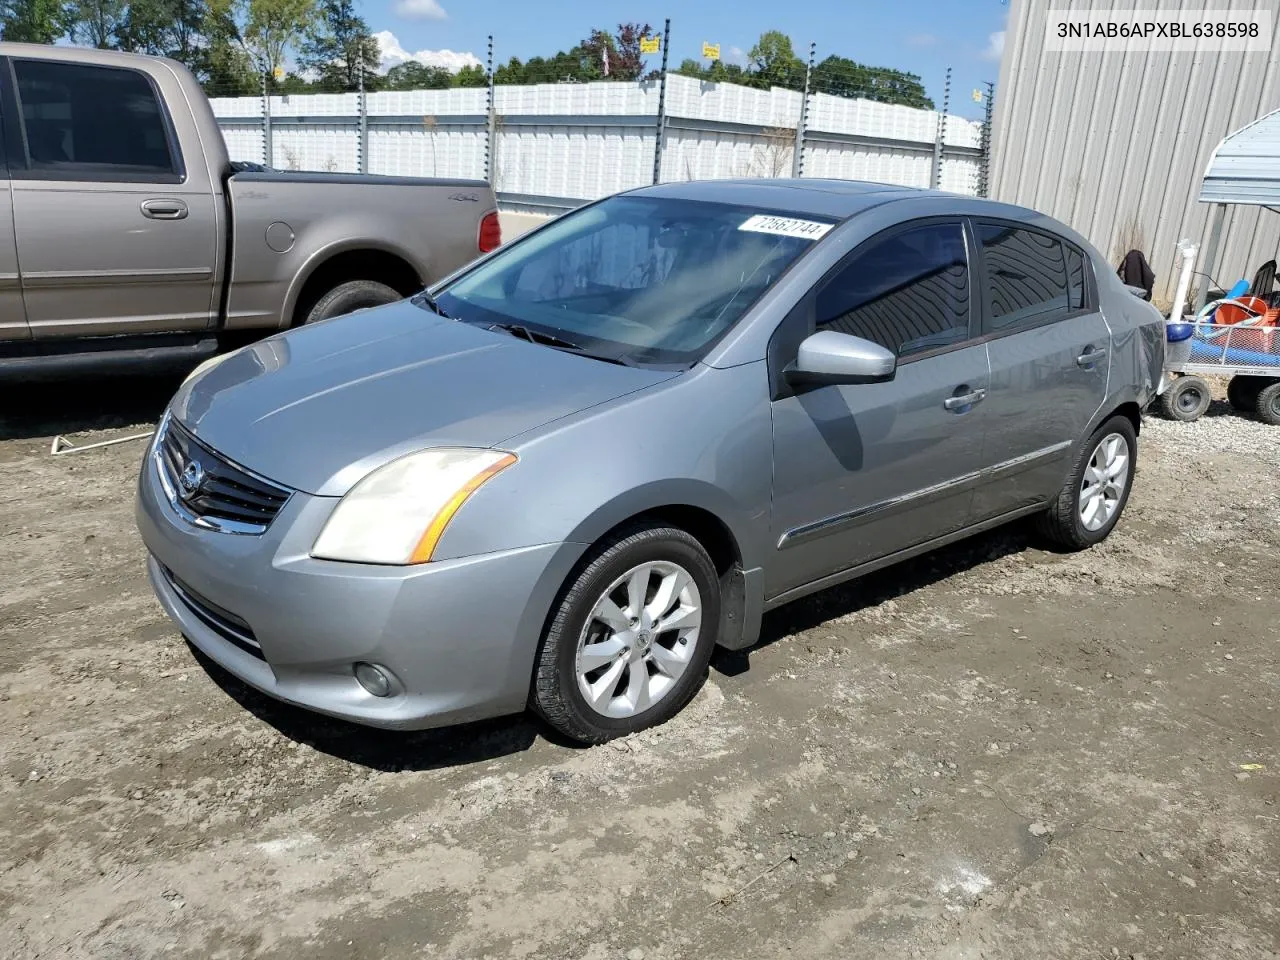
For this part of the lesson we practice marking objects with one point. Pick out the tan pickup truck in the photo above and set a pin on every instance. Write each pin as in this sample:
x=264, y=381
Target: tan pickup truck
x=127, y=235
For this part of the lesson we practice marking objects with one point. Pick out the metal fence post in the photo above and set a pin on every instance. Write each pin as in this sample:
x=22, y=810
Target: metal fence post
x=491, y=129
x=1210, y=262
x=362, y=146
x=662, y=104
x=797, y=159
x=936, y=179
x=268, y=154
x=984, y=174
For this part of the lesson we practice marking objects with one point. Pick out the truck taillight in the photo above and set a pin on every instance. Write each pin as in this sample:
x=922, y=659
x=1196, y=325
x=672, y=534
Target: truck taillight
x=490, y=233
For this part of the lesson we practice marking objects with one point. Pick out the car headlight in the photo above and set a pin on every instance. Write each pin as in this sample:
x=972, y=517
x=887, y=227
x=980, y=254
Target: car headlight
x=396, y=514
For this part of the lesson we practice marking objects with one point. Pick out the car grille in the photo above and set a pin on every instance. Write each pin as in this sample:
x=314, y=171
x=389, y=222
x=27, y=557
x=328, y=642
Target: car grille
x=223, y=622
x=210, y=490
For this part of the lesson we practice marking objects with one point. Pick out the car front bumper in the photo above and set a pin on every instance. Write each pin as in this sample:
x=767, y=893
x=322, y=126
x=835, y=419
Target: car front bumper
x=458, y=637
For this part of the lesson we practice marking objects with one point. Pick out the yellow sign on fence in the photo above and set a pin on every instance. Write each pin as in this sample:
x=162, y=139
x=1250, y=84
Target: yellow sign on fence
x=650, y=44
x=711, y=51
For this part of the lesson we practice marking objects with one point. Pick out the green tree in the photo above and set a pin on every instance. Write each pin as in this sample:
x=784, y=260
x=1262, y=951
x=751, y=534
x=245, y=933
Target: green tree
x=692, y=68
x=774, y=63
x=96, y=23
x=472, y=76
x=511, y=72
x=263, y=30
x=167, y=28
x=842, y=77
x=339, y=49
x=32, y=21
x=417, y=76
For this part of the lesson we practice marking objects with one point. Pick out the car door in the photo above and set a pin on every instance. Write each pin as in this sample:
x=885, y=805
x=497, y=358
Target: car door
x=1049, y=349
x=112, y=237
x=862, y=471
x=13, y=316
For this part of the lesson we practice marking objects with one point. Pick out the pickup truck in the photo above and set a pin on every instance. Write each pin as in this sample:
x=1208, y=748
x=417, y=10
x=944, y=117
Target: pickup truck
x=128, y=236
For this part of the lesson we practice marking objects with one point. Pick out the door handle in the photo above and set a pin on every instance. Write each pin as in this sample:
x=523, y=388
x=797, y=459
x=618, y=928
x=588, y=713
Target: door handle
x=1091, y=356
x=165, y=209
x=964, y=400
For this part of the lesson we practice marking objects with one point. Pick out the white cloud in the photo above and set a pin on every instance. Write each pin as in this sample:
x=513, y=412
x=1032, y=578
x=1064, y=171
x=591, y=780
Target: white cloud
x=922, y=40
x=420, y=10
x=736, y=55
x=995, y=46
x=392, y=54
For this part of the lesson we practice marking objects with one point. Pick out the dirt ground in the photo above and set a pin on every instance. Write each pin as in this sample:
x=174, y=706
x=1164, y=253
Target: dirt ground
x=997, y=752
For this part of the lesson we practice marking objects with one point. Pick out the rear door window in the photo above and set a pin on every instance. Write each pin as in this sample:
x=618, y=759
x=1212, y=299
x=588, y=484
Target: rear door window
x=1027, y=277
x=908, y=291
x=92, y=122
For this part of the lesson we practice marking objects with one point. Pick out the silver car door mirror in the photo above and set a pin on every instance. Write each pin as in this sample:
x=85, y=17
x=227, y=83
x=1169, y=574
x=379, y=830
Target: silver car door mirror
x=827, y=357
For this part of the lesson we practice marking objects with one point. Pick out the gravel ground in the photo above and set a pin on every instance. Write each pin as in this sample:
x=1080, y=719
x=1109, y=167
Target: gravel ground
x=996, y=751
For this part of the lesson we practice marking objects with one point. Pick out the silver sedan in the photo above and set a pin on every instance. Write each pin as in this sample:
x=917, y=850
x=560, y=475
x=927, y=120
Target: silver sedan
x=564, y=474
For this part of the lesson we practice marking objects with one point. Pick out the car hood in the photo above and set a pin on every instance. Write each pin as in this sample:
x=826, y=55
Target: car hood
x=319, y=407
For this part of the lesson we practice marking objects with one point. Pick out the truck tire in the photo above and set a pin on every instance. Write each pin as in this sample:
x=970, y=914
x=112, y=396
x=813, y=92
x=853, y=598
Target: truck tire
x=349, y=297
x=1186, y=399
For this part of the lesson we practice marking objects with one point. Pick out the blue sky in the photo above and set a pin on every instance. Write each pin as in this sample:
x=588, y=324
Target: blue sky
x=917, y=36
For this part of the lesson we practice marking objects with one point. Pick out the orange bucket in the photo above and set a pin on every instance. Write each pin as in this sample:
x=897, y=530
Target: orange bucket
x=1230, y=313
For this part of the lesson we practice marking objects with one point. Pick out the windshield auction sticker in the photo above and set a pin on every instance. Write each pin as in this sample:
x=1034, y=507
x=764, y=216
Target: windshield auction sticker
x=785, y=226
x=1158, y=31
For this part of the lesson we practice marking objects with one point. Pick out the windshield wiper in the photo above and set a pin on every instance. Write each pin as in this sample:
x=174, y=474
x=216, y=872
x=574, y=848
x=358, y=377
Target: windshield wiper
x=559, y=343
x=537, y=336
x=426, y=298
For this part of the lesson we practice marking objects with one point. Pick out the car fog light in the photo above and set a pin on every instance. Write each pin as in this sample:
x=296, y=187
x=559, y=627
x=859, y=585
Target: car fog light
x=373, y=679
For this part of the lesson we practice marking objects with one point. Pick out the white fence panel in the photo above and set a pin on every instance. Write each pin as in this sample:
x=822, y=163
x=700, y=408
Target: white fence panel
x=557, y=144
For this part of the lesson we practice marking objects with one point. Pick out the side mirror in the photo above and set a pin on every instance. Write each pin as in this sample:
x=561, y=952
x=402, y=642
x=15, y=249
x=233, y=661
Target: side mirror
x=827, y=357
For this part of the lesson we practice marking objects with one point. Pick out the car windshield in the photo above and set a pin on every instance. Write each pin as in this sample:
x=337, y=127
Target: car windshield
x=634, y=279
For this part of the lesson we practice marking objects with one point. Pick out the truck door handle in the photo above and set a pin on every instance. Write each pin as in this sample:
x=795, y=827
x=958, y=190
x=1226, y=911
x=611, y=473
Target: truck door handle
x=964, y=400
x=1091, y=356
x=166, y=209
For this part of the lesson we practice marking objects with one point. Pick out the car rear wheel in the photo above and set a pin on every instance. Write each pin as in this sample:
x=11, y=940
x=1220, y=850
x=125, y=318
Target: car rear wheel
x=1096, y=492
x=629, y=642
x=351, y=296
x=1186, y=399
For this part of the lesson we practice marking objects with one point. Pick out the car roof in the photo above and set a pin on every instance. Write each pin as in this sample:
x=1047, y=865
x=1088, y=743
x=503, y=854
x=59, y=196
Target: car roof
x=837, y=199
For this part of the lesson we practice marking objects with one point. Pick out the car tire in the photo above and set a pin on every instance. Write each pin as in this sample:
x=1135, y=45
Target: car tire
x=1242, y=392
x=1069, y=521
x=349, y=297
x=1267, y=404
x=627, y=661
x=1186, y=399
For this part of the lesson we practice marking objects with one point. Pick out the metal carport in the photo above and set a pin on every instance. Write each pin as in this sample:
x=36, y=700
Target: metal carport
x=1243, y=169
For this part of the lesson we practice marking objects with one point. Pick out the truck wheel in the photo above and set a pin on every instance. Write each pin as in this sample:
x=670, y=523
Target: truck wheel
x=1242, y=392
x=1186, y=399
x=1268, y=404
x=351, y=296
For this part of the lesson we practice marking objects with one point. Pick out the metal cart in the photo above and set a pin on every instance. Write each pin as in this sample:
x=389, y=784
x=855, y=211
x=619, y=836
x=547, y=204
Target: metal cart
x=1248, y=354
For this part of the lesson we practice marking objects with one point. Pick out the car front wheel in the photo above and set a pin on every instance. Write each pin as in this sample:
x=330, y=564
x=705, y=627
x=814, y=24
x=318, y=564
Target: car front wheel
x=631, y=637
x=1090, y=503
